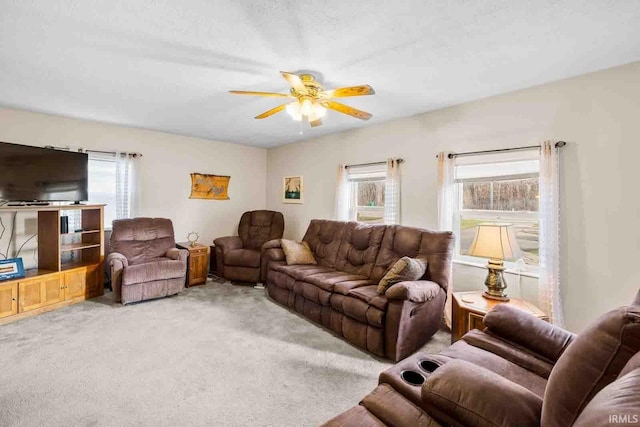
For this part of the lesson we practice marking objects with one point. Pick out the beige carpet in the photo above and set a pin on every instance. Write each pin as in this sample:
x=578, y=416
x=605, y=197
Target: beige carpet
x=218, y=354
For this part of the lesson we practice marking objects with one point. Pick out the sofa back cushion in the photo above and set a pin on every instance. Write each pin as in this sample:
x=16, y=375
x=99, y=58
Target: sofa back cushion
x=617, y=404
x=591, y=362
x=140, y=239
x=436, y=247
x=258, y=227
x=324, y=237
x=359, y=248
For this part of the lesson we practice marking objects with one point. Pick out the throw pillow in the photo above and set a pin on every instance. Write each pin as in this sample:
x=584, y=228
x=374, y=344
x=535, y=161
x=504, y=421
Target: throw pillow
x=405, y=269
x=297, y=253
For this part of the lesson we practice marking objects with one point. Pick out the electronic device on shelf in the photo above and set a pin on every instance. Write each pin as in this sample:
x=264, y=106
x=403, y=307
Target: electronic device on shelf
x=36, y=176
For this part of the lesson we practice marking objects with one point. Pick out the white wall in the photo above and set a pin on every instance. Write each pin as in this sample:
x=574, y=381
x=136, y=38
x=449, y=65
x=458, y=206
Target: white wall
x=597, y=114
x=165, y=168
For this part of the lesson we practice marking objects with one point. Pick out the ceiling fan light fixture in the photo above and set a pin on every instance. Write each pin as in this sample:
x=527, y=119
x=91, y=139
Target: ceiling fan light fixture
x=306, y=107
x=319, y=110
x=293, y=110
x=311, y=100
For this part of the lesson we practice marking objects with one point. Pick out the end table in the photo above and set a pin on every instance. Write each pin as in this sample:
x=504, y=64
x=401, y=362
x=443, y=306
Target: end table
x=469, y=308
x=197, y=264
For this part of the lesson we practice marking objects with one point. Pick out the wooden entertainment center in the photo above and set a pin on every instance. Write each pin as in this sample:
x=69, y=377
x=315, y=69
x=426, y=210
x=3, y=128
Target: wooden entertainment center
x=70, y=265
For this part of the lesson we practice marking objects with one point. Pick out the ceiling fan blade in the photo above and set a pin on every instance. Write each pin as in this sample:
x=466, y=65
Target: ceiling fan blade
x=345, y=109
x=246, y=92
x=295, y=81
x=272, y=111
x=316, y=123
x=348, y=91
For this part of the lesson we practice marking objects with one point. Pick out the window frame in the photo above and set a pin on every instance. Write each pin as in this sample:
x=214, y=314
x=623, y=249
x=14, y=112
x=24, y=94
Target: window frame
x=107, y=158
x=459, y=213
x=378, y=174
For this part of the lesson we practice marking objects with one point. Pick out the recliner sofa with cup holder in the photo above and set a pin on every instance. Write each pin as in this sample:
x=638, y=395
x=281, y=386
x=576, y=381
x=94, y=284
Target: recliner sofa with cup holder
x=519, y=371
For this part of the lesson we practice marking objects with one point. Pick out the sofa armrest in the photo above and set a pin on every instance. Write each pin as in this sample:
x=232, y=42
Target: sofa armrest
x=415, y=291
x=177, y=254
x=229, y=243
x=462, y=393
x=271, y=244
x=528, y=331
x=117, y=261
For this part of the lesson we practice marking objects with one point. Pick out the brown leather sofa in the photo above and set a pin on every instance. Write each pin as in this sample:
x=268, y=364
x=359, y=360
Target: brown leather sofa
x=340, y=292
x=239, y=257
x=519, y=371
x=144, y=262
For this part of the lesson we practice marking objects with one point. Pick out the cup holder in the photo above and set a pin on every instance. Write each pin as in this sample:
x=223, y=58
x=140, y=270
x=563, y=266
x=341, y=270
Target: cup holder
x=428, y=365
x=412, y=377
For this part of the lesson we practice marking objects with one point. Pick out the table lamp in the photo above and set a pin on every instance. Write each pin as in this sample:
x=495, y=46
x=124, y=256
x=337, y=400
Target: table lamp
x=496, y=242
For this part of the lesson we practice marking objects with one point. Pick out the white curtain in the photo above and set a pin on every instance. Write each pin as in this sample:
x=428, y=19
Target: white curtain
x=446, y=172
x=549, y=281
x=341, y=207
x=127, y=187
x=392, y=192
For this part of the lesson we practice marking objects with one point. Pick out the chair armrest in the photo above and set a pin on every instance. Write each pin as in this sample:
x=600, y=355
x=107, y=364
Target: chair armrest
x=271, y=244
x=415, y=291
x=462, y=393
x=117, y=261
x=528, y=331
x=177, y=254
x=229, y=243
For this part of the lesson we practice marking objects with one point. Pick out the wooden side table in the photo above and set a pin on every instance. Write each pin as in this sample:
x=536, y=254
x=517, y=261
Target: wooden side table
x=469, y=308
x=197, y=264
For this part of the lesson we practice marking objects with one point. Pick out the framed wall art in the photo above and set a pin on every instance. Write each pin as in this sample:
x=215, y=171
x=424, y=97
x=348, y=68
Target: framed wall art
x=212, y=187
x=292, y=189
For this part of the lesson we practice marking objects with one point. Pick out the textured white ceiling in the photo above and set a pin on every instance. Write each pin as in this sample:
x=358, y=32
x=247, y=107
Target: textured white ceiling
x=168, y=64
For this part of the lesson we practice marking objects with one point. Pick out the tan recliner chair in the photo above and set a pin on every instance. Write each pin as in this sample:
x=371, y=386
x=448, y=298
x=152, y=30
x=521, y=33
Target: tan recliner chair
x=144, y=262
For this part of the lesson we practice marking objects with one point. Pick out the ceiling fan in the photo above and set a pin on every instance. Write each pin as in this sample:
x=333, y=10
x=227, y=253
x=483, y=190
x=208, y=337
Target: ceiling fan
x=311, y=100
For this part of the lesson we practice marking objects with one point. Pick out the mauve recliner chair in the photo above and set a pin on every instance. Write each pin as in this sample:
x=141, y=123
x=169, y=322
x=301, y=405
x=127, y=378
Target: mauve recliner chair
x=144, y=262
x=240, y=257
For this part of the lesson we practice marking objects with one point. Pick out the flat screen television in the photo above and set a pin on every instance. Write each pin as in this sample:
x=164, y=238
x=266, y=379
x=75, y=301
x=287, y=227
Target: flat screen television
x=34, y=174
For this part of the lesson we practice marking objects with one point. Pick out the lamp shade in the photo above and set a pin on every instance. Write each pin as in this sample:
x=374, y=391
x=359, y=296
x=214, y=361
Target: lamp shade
x=495, y=241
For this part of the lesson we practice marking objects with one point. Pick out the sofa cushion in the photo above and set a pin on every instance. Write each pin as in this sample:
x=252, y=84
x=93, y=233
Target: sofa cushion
x=392, y=408
x=503, y=367
x=359, y=248
x=358, y=416
x=591, y=362
x=324, y=237
x=509, y=351
x=434, y=246
x=301, y=272
x=632, y=365
x=616, y=404
x=362, y=311
x=405, y=269
x=370, y=295
x=242, y=258
x=328, y=280
x=297, y=253
x=343, y=288
x=151, y=271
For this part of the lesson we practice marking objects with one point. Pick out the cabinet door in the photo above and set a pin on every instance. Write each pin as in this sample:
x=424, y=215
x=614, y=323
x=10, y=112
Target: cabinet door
x=8, y=299
x=198, y=268
x=39, y=292
x=75, y=283
x=95, y=281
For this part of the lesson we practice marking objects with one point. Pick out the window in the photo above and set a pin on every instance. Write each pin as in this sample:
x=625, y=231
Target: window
x=504, y=192
x=367, y=192
x=102, y=185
